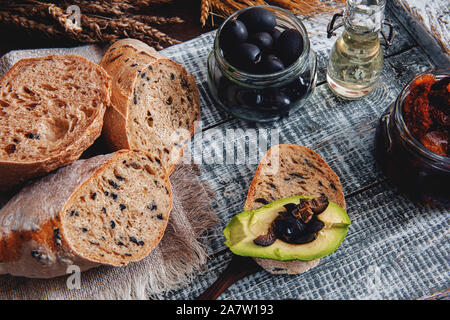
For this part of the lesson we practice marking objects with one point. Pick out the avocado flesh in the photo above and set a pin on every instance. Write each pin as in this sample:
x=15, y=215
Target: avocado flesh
x=246, y=226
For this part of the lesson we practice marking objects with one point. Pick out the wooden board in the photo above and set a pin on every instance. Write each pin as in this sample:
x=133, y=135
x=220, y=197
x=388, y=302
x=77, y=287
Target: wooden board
x=429, y=23
x=395, y=249
x=388, y=229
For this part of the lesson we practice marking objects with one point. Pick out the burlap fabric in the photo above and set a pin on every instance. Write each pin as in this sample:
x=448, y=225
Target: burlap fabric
x=176, y=260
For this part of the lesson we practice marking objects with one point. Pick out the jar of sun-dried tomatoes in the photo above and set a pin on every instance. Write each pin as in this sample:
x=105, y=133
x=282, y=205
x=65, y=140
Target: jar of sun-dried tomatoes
x=412, y=139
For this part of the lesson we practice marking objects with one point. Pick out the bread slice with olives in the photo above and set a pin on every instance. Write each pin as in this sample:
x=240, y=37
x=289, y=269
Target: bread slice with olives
x=155, y=102
x=51, y=110
x=111, y=209
x=289, y=170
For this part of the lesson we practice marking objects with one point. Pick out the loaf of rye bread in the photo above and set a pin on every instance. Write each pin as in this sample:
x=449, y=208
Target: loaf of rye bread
x=51, y=110
x=111, y=209
x=155, y=102
x=288, y=170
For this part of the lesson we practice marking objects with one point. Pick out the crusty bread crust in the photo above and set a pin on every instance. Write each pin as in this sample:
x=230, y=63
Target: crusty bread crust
x=286, y=267
x=272, y=164
x=12, y=173
x=28, y=221
x=125, y=60
x=124, y=77
x=33, y=242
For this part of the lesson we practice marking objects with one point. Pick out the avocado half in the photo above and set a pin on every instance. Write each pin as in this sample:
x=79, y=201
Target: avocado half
x=248, y=225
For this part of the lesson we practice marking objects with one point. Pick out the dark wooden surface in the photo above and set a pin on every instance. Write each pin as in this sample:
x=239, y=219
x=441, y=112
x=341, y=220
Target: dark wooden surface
x=189, y=10
x=345, y=141
x=343, y=133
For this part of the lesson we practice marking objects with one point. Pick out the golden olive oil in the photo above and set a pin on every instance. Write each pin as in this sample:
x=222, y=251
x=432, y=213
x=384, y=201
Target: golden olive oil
x=356, y=59
x=355, y=64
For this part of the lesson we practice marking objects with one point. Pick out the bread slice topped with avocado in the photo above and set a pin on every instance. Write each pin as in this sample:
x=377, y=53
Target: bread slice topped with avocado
x=295, y=212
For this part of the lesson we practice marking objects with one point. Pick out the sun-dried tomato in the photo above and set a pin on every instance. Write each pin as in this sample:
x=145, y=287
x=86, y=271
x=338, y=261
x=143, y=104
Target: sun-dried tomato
x=436, y=141
x=427, y=113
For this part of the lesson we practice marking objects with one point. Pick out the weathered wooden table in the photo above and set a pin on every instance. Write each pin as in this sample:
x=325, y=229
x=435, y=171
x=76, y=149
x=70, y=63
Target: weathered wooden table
x=395, y=249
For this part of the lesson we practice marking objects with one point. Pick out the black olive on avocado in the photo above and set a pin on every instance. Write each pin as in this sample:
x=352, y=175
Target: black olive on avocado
x=320, y=236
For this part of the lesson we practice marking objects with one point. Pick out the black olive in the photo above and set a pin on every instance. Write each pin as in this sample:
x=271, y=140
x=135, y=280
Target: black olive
x=232, y=33
x=269, y=104
x=292, y=230
x=290, y=206
x=231, y=93
x=283, y=228
x=265, y=239
x=270, y=64
x=258, y=19
x=280, y=101
x=262, y=40
x=275, y=33
x=229, y=56
x=319, y=204
x=315, y=225
x=228, y=92
x=245, y=56
x=297, y=88
x=250, y=98
x=276, y=100
x=289, y=46
x=305, y=238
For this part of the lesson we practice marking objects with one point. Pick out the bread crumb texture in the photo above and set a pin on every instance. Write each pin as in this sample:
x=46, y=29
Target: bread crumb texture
x=46, y=104
x=288, y=170
x=156, y=103
x=120, y=215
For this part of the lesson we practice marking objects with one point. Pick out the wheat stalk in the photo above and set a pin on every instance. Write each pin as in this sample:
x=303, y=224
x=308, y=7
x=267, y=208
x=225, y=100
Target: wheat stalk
x=59, y=15
x=234, y=4
x=28, y=24
x=138, y=4
x=220, y=7
x=27, y=10
x=50, y=31
x=144, y=2
x=127, y=27
x=204, y=11
x=103, y=21
x=158, y=20
x=102, y=7
x=306, y=8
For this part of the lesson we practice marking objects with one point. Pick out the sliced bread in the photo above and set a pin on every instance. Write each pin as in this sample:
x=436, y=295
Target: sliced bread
x=155, y=102
x=288, y=170
x=110, y=209
x=51, y=110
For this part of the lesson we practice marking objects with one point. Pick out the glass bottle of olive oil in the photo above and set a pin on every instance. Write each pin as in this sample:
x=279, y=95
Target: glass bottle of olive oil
x=356, y=59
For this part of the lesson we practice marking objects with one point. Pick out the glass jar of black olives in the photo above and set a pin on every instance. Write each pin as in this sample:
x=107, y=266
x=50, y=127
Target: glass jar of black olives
x=261, y=90
x=407, y=160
